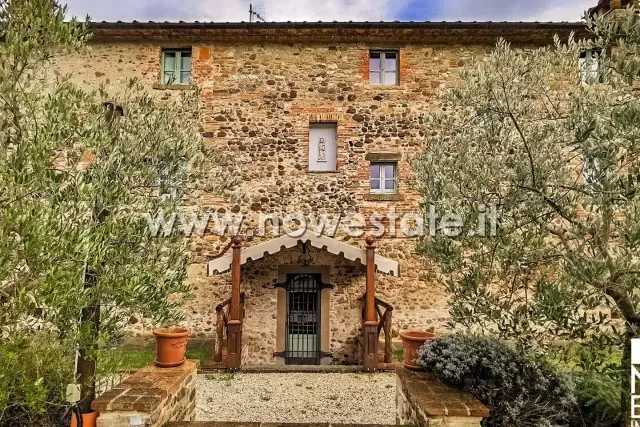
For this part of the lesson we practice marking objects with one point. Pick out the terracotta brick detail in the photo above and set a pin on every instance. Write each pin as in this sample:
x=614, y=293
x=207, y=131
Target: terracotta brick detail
x=156, y=395
x=404, y=66
x=423, y=400
x=324, y=118
x=204, y=53
x=363, y=64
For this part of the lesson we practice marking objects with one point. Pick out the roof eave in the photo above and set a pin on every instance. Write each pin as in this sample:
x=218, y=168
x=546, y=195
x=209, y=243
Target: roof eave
x=196, y=25
x=338, y=32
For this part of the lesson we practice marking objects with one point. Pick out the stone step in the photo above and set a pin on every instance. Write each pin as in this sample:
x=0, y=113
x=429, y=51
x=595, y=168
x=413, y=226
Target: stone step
x=211, y=366
x=360, y=341
x=337, y=369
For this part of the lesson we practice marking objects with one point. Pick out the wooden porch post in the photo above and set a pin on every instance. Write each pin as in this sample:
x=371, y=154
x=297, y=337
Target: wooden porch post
x=219, y=335
x=370, y=330
x=234, y=328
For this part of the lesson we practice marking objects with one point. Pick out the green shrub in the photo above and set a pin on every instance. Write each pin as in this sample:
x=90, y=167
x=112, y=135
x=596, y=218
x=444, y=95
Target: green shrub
x=518, y=390
x=34, y=372
x=598, y=401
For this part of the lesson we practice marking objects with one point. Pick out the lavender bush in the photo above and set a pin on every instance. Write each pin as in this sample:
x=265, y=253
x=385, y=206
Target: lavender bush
x=519, y=391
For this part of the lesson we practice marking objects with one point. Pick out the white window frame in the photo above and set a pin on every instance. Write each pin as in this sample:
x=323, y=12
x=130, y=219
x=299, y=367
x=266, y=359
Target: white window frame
x=381, y=187
x=589, y=64
x=383, y=53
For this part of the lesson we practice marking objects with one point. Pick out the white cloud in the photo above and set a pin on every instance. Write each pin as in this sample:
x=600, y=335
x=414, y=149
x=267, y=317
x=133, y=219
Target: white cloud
x=230, y=10
x=512, y=10
x=329, y=10
x=564, y=12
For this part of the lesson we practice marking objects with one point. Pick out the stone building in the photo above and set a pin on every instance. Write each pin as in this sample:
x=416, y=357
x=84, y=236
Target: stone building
x=313, y=118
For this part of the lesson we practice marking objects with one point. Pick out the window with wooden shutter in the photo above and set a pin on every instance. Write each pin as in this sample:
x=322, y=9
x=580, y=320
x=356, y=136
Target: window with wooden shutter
x=176, y=66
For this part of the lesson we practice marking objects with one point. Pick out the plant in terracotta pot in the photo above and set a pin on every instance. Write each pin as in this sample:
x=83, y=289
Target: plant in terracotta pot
x=171, y=344
x=411, y=343
x=88, y=420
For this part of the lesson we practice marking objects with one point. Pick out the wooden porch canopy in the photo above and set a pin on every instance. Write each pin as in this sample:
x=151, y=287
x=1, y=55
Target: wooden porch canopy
x=336, y=247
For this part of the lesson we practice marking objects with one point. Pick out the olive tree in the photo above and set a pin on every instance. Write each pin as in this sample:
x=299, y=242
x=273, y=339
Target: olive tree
x=550, y=139
x=79, y=170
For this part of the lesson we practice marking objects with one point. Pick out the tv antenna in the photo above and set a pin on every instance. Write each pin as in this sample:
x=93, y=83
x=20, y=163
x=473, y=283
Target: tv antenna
x=256, y=13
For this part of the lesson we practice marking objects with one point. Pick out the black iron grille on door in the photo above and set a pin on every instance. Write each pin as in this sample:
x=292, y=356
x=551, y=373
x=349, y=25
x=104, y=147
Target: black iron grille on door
x=302, y=345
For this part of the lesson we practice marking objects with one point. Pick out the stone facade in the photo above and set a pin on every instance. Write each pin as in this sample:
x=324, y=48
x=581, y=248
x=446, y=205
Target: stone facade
x=150, y=397
x=259, y=96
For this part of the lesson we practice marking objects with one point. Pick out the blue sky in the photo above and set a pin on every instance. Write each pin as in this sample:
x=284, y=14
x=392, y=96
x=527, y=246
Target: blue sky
x=329, y=10
x=419, y=10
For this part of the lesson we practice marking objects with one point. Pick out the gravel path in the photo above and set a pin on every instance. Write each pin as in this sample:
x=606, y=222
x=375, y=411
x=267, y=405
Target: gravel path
x=297, y=397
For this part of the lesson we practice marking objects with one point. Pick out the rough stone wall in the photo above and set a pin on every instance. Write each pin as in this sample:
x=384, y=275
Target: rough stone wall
x=257, y=103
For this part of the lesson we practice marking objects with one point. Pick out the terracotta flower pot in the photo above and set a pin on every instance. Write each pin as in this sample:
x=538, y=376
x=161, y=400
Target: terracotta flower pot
x=411, y=343
x=171, y=344
x=88, y=420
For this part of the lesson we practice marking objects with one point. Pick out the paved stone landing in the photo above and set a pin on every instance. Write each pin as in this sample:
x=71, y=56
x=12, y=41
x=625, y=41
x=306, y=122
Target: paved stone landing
x=294, y=397
x=232, y=424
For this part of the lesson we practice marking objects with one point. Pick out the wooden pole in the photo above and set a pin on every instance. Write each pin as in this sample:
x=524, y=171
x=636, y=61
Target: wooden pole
x=86, y=367
x=388, y=352
x=219, y=336
x=234, y=328
x=370, y=330
x=371, y=286
x=235, y=279
x=90, y=315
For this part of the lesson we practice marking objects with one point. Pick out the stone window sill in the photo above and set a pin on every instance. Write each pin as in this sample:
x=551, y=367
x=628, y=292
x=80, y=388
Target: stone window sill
x=161, y=86
x=321, y=172
x=382, y=197
x=383, y=157
x=387, y=87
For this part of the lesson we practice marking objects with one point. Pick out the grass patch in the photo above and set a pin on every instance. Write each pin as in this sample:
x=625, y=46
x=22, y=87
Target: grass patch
x=138, y=357
x=573, y=357
x=226, y=377
x=398, y=353
x=134, y=359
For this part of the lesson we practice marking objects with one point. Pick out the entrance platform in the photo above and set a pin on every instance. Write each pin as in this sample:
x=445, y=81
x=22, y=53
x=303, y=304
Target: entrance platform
x=337, y=369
